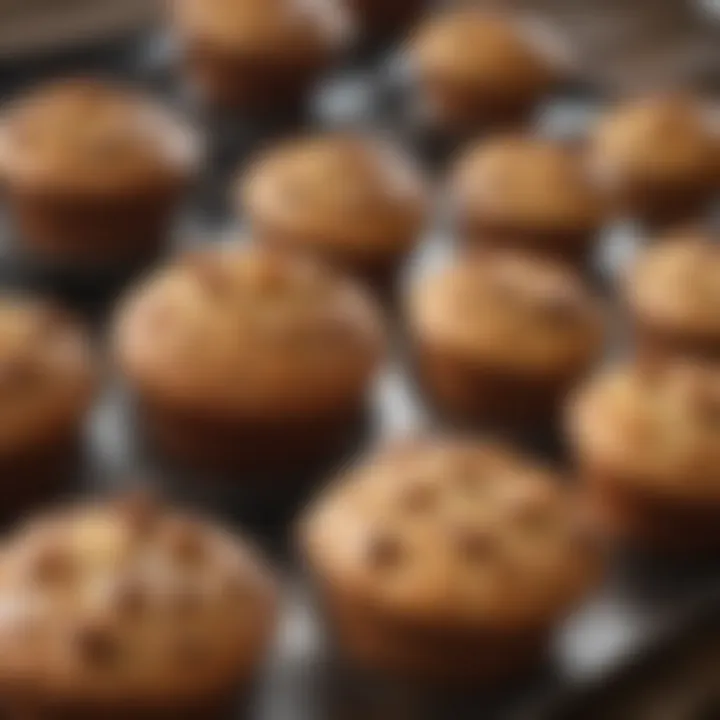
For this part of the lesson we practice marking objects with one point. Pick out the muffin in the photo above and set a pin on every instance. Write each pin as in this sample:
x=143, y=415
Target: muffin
x=474, y=70
x=448, y=561
x=646, y=440
x=382, y=20
x=47, y=381
x=673, y=293
x=526, y=193
x=259, y=56
x=124, y=609
x=249, y=359
x=93, y=172
x=356, y=202
x=500, y=339
x=658, y=158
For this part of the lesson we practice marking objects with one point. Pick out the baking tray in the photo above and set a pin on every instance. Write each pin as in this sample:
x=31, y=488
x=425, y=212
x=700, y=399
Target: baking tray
x=642, y=600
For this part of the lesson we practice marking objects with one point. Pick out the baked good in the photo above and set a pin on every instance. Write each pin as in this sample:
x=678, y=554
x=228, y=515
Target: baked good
x=382, y=20
x=249, y=358
x=93, y=172
x=259, y=56
x=356, y=202
x=646, y=440
x=448, y=561
x=47, y=382
x=658, y=158
x=500, y=339
x=673, y=292
x=475, y=70
x=527, y=193
x=124, y=609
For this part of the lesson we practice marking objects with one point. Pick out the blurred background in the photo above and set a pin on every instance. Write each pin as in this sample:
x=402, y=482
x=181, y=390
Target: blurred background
x=618, y=47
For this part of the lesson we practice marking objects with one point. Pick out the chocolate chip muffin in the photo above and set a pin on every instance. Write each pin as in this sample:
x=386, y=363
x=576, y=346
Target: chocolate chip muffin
x=499, y=339
x=249, y=358
x=448, y=561
x=529, y=194
x=658, y=158
x=475, y=70
x=93, y=172
x=673, y=292
x=646, y=437
x=355, y=201
x=259, y=56
x=125, y=609
x=47, y=381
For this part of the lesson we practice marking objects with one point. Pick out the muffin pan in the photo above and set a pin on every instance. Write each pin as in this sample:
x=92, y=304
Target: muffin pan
x=640, y=599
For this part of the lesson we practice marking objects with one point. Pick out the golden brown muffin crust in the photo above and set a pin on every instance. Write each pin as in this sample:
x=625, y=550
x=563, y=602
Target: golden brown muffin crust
x=249, y=330
x=88, y=135
x=452, y=533
x=126, y=602
x=346, y=193
x=663, y=138
x=514, y=311
x=47, y=372
x=675, y=285
x=472, y=48
x=528, y=184
x=655, y=427
x=265, y=28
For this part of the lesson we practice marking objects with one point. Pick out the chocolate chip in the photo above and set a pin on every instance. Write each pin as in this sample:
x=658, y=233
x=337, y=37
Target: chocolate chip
x=52, y=565
x=474, y=544
x=418, y=497
x=129, y=598
x=97, y=644
x=384, y=551
x=529, y=512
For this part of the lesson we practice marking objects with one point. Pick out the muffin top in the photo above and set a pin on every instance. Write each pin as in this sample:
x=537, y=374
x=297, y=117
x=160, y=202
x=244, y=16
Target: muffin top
x=47, y=372
x=346, y=193
x=91, y=136
x=660, y=138
x=510, y=311
x=453, y=533
x=266, y=28
x=125, y=600
x=676, y=284
x=471, y=48
x=529, y=183
x=249, y=329
x=657, y=427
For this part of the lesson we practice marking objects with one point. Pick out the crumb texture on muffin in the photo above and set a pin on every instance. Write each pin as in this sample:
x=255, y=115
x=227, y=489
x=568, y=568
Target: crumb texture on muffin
x=452, y=534
x=345, y=194
x=249, y=331
x=511, y=311
x=675, y=285
x=90, y=136
x=47, y=374
x=526, y=184
x=654, y=428
x=126, y=605
x=659, y=139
